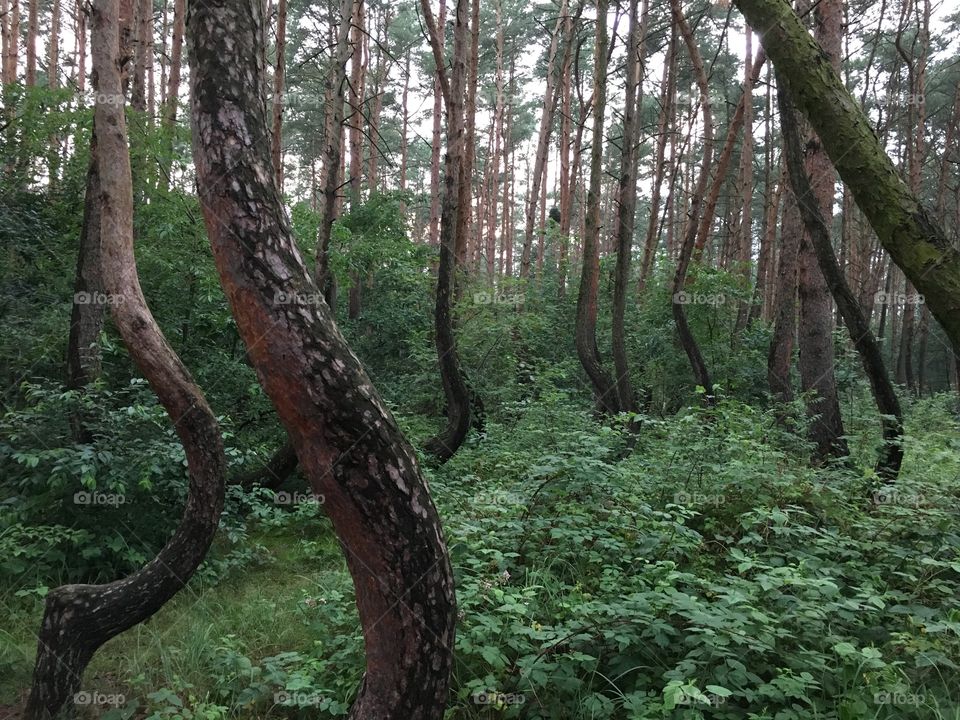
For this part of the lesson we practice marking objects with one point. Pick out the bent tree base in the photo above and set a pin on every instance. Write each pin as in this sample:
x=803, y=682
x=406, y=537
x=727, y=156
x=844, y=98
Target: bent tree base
x=78, y=619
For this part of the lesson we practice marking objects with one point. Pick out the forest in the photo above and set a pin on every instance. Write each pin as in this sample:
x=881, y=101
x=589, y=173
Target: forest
x=460, y=360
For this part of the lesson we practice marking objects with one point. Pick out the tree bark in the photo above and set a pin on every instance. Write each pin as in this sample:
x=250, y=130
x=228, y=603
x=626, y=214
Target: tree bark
x=347, y=441
x=436, y=144
x=53, y=49
x=815, y=336
x=30, y=79
x=279, y=73
x=904, y=226
x=78, y=619
x=143, y=12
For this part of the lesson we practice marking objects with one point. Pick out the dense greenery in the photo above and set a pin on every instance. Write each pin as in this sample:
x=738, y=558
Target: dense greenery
x=698, y=569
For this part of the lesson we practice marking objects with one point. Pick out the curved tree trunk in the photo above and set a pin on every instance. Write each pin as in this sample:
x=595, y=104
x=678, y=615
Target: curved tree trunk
x=455, y=387
x=891, y=453
x=78, y=619
x=585, y=332
x=904, y=226
x=687, y=340
x=348, y=443
x=89, y=299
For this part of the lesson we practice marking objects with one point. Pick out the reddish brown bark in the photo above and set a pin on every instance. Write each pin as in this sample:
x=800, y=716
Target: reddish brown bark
x=348, y=443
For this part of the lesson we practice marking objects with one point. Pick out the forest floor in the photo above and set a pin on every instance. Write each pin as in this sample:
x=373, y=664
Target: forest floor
x=711, y=573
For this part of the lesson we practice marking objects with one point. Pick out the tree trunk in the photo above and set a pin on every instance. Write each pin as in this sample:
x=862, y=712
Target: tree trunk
x=333, y=138
x=437, y=142
x=143, y=11
x=745, y=254
x=12, y=51
x=687, y=340
x=78, y=619
x=585, y=332
x=667, y=92
x=404, y=126
x=80, y=31
x=31, y=76
x=465, y=184
x=780, y=356
x=815, y=336
x=904, y=226
x=566, y=177
x=891, y=417
x=456, y=391
x=279, y=73
x=348, y=443
x=627, y=200
x=53, y=49
x=726, y=155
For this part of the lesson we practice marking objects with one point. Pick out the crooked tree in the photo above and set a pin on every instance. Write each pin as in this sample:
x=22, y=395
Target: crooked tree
x=78, y=619
x=348, y=443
